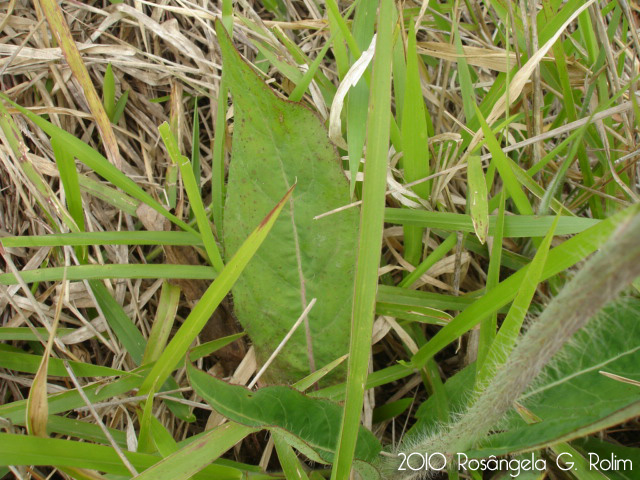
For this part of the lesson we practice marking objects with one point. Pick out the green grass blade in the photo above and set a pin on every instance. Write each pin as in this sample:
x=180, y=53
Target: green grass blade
x=195, y=146
x=217, y=168
x=102, y=272
x=509, y=330
x=109, y=92
x=163, y=322
x=27, y=334
x=30, y=450
x=291, y=465
x=415, y=160
x=17, y=360
x=120, y=106
x=70, y=183
x=430, y=261
x=478, y=200
x=301, y=87
x=208, y=348
x=122, y=326
x=98, y=163
x=370, y=242
x=559, y=259
x=104, y=238
x=191, y=459
x=200, y=314
x=508, y=177
x=489, y=326
x=193, y=192
x=515, y=226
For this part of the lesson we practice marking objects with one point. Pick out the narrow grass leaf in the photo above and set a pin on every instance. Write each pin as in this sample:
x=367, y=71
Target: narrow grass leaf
x=122, y=326
x=217, y=167
x=506, y=173
x=95, y=161
x=101, y=272
x=310, y=380
x=489, y=326
x=29, y=450
x=191, y=459
x=119, y=108
x=104, y=238
x=289, y=461
x=435, y=256
x=28, y=335
x=212, y=346
x=195, y=145
x=193, y=324
x=163, y=322
x=109, y=92
x=63, y=402
x=506, y=338
x=69, y=177
x=415, y=160
x=370, y=242
x=478, y=200
x=62, y=34
x=515, y=226
x=15, y=359
x=193, y=192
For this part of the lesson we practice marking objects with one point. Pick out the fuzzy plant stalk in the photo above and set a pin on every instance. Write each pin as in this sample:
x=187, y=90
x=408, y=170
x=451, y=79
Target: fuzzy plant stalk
x=601, y=280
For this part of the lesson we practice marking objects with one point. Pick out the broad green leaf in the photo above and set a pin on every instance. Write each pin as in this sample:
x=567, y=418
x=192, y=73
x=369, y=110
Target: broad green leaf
x=605, y=449
x=275, y=144
x=314, y=422
x=573, y=398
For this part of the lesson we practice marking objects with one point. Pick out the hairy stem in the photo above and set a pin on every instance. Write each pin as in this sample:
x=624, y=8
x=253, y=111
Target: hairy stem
x=601, y=279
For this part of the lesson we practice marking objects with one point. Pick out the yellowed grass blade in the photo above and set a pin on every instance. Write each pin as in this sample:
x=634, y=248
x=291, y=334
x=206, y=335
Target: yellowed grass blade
x=62, y=34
